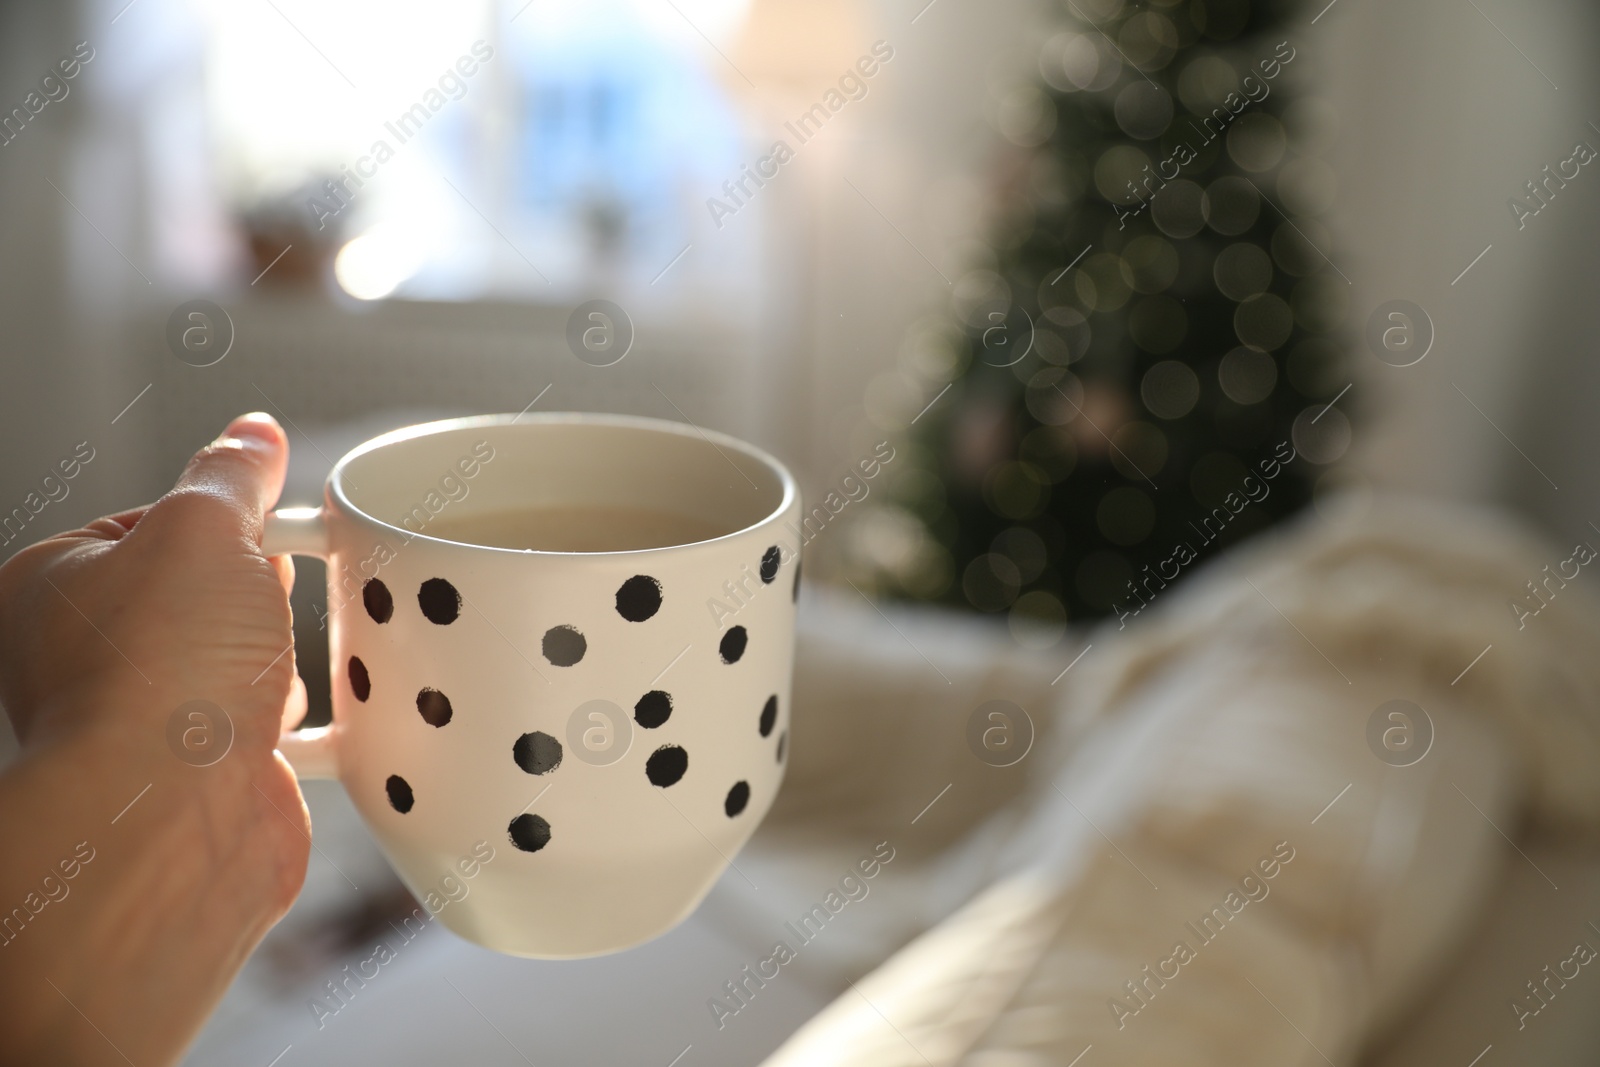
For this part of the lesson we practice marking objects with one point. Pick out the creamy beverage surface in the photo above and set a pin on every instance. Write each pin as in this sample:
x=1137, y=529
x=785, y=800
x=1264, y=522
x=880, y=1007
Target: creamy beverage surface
x=576, y=529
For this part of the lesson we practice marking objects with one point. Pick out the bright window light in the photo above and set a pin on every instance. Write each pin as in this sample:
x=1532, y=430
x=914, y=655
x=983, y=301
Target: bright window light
x=375, y=264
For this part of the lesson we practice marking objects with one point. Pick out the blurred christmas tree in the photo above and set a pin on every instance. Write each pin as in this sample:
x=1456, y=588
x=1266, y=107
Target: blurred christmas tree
x=1157, y=322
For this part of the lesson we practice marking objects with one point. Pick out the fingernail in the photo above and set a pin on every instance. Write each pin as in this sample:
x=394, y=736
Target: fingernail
x=257, y=425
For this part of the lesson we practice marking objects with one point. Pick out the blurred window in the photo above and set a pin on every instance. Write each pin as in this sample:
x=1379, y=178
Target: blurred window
x=517, y=149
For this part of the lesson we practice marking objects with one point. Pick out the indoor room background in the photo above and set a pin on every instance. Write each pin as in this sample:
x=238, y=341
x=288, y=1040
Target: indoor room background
x=200, y=221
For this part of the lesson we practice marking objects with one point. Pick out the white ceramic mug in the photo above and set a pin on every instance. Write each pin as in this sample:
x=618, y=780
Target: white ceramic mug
x=476, y=689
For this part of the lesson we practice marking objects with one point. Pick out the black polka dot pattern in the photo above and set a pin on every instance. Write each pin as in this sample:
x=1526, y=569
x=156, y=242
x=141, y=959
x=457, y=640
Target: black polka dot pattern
x=400, y=795
x=379, y=603
x=434, y=707
x=638, y=598
x=653, y=709
x=530, y=833
x=440, y=602
x=564, y=645
x=738, y=797
x=666, y=765
x=537, y=752
x=360, y=681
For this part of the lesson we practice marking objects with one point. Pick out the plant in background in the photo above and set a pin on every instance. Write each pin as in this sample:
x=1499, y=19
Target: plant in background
x=1156, y=317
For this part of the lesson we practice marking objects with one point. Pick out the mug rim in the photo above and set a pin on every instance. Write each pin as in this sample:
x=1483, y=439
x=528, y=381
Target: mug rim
x=717, y=439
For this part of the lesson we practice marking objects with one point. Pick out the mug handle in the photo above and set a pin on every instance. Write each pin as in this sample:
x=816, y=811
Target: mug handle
x=301, y=532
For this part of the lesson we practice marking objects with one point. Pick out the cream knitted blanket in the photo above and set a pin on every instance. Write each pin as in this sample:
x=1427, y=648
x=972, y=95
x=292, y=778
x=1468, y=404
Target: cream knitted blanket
x=1224, y=859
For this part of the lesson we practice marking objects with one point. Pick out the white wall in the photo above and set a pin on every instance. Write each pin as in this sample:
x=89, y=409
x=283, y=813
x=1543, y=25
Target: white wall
x=1442, y=120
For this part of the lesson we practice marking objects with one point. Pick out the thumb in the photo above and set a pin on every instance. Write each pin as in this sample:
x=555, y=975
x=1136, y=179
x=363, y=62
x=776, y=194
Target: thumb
x=228, y=485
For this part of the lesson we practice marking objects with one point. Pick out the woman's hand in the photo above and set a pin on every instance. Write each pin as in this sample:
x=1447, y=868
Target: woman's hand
x=195, y=829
